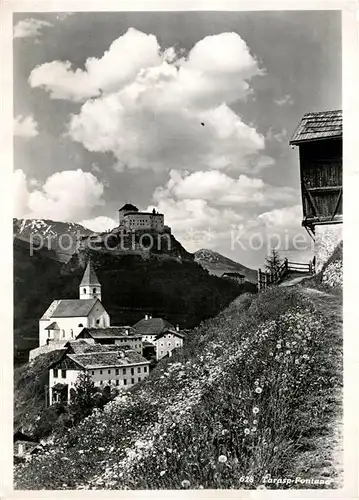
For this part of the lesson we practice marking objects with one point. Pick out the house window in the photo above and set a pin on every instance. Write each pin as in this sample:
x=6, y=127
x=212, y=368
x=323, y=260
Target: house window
x=145, y=369
x=132, y=371
x=139, y=369
x=63, y=334
x=109, y=372
x=124, y=371
x=139, y=379
x=101, y=382
x=124, y=382
x=63, y=373
x=84, y=290
x=132, y=380
x=93, y=372
x=97, y=322
x=100, y=372
x=116, y=371
x=117, y=382
x=56, y=373
x=169, y=344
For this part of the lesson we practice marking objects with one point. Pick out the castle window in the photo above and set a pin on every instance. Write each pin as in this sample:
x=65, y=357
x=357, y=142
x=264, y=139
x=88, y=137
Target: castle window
x=84, y=290
x=139, y=379
x=63, y=333
x=93, y=372
x=132, y=371
x=109, y=372
x=124, y=371
x=100, y=372
x=117, y=382
x=125, y=382
x=132, y=380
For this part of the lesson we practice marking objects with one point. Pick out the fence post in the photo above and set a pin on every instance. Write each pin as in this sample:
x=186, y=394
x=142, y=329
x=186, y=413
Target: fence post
x=259, y=279
x=310, y=267
x=286, y=263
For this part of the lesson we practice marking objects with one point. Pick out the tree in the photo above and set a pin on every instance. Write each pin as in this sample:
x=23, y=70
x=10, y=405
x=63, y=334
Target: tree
x=82, y=400
x=273, y=261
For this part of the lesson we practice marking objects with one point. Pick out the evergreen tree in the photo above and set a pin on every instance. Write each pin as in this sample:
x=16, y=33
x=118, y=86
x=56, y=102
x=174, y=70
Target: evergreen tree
x=82, y=399
x=273, y=261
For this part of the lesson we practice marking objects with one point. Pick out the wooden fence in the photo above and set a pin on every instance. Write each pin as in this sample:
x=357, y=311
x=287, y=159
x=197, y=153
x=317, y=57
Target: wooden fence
x=266, y=278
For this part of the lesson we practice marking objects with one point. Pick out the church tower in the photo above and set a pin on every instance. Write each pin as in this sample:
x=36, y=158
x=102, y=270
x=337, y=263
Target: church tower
x=90, y=287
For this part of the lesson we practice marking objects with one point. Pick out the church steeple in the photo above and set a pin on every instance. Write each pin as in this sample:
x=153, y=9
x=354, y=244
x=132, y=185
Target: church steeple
x=90, y=287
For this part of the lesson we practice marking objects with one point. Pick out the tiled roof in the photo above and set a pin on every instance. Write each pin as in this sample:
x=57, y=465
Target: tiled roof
x=107, y=358
x=53, y=326
x=319, y=125
x=129, y=206
x=73, y=308
x=89, y=277
x=111, y=332
x=152, y=326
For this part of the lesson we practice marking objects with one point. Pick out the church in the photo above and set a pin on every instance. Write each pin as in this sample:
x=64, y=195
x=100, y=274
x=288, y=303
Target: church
x=66, y=318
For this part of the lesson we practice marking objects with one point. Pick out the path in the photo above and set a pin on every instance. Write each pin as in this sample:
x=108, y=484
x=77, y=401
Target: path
x=325, y=459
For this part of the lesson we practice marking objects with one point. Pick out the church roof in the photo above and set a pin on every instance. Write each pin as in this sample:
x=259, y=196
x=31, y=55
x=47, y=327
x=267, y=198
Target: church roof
x=129, y=207
x=89, y=277
x=152, y=326
x=70, y=308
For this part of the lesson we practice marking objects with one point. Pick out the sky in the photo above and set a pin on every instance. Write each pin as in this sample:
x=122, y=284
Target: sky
x=187, y=112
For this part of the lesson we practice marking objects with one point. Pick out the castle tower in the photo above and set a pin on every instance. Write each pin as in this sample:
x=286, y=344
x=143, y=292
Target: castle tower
x=90, y=287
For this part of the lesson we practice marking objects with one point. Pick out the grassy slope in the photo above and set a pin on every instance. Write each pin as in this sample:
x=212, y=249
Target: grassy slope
x=269, y=353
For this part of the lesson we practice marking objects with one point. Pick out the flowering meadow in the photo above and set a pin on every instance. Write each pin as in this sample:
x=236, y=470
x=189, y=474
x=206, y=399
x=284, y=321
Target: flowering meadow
x=248, y=394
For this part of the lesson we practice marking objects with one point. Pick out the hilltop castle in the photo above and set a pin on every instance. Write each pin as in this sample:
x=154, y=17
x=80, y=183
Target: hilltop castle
x=131, y=219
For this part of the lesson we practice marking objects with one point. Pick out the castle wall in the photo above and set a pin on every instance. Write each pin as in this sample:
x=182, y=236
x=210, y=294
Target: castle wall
x=327, y=238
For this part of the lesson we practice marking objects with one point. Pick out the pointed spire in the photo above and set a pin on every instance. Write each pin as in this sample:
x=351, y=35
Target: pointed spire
x=89, y=277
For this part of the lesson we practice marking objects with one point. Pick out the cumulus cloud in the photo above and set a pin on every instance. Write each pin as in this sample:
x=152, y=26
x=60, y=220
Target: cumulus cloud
x=69, y=195
x=153, y=107
x=30, y=28
x=222, y=190
x=283, y=217
x=25, y=126
x=118, y=66
x=100, y=224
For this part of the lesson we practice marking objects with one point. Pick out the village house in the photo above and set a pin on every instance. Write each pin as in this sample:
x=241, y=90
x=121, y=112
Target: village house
x=166, y=342
x=107, y=367
x=65, y=319
x=320, y=142
x=121, y=336
x=150, y=327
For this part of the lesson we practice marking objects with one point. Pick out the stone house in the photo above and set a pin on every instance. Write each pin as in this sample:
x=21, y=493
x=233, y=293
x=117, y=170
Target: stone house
x=121, y=336
x=166, y=342
x=107, y=367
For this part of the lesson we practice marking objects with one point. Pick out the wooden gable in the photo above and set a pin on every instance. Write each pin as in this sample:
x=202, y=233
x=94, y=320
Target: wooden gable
x=320, y=175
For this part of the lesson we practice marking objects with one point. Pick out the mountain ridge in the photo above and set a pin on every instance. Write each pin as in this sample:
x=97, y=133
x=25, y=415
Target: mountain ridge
x=217, y=264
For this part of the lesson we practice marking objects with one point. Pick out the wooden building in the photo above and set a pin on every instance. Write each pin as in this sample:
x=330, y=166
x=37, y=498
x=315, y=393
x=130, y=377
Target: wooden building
x=319, y=140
